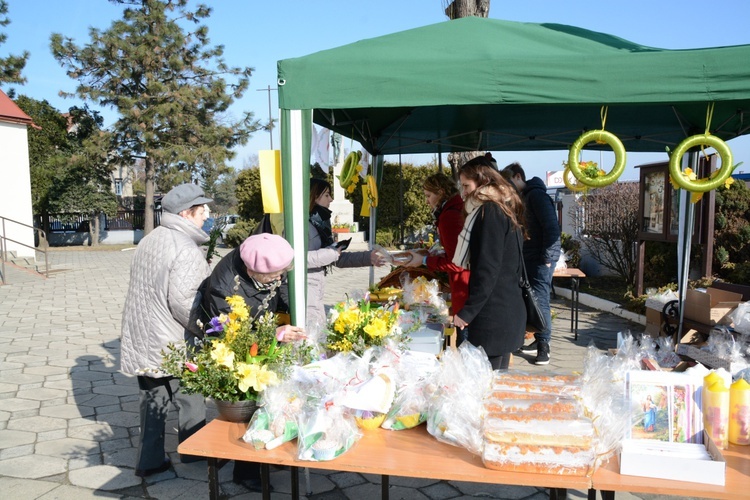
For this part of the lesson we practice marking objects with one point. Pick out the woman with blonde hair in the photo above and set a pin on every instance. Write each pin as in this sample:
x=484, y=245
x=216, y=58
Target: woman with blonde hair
x=441, y=194
x=490, y=246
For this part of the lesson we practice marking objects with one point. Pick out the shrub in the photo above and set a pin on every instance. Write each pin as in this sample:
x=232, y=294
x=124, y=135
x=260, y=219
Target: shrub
x=384, y=237
x=239, y=233
x=732, y=233
x=571, y=247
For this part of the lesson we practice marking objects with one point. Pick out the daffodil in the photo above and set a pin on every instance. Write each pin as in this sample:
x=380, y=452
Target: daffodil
x=239, y=308
x=223, y=355
x=377, y=328
x=254, y=376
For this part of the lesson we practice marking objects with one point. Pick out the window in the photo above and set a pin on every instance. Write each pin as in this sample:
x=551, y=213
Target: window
x=118, y=187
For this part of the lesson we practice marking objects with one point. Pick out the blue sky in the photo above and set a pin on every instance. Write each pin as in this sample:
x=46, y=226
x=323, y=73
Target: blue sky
x=259, y=33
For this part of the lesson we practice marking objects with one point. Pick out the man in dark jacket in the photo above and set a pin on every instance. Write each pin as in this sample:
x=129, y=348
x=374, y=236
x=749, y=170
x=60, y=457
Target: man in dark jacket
x=540, y=252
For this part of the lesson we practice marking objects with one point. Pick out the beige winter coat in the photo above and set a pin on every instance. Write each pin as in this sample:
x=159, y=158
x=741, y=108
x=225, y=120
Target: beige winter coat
x=167, y=270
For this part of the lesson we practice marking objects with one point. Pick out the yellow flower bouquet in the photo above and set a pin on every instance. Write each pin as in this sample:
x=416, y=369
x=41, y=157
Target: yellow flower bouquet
x=240, y=362
x=353, y=326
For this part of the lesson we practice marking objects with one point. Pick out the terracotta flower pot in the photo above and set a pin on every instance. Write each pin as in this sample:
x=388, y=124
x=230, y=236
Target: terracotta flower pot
x=239, y=411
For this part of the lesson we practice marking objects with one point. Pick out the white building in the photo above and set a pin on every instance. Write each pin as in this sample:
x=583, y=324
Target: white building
x=15, y=181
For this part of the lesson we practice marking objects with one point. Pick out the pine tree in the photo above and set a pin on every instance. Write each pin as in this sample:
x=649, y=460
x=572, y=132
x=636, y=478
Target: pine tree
x=10, y=66
x=168, y=86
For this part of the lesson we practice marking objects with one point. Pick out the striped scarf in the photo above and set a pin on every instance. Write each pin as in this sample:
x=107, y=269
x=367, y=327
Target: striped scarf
x=461, y=257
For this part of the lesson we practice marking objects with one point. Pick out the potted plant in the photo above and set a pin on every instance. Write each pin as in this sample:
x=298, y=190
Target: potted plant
x=236, y=362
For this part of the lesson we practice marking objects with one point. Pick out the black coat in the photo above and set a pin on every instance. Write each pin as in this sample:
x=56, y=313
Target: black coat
x=495, y=310
x=221, y=284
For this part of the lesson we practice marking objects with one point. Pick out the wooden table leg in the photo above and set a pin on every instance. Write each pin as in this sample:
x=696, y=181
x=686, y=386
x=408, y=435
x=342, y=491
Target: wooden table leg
x=265, y=479
x=558, y=493
x=575, y=299
x=213, y=478
x=294, y=471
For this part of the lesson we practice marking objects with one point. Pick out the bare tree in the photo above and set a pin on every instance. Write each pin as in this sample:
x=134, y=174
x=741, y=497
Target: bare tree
x=456, y=9
x=607, y=222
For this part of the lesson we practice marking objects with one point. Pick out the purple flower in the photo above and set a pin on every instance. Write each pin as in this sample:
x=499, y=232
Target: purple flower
x=216, y=325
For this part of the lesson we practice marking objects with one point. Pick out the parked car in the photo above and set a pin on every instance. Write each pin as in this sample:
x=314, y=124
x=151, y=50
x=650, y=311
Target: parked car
x=208, y=224
x=227, y=222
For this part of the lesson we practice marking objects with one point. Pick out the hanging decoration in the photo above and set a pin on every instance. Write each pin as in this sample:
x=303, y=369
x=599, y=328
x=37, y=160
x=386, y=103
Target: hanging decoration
x=687, y=179
x=372, y=191
x=572, y=184
x=600, y=136
x=349, y=170
x=365, y=210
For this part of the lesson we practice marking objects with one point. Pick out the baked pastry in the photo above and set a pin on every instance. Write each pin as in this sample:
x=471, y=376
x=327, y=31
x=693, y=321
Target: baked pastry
x=325, y=449
x=569, y=460
x=550, y=405
x=539, y=429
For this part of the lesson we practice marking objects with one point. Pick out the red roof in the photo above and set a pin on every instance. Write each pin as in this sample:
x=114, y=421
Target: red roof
x=10, y=112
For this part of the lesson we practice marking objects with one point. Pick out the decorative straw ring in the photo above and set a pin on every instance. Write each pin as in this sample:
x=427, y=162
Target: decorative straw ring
x=600, y=136
x=573, y=187
x=349, y=169
x=701, y=185
x=373, y=190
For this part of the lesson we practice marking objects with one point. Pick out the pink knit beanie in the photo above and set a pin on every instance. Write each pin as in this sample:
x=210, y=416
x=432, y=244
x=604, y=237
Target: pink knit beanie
x=266, y=253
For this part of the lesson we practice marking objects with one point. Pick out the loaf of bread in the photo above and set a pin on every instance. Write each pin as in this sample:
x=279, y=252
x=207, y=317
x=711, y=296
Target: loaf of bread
x=549, y=405
x=569, y=460
x=541, y=429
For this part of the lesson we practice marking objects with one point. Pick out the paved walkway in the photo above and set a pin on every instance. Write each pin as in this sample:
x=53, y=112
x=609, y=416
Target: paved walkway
x=69, y=419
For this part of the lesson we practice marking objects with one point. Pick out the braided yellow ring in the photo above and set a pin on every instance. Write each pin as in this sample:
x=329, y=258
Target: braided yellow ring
x=573, y=187
x=373, y=190
x=601, y=136
x=701, y=185
x=349, y=169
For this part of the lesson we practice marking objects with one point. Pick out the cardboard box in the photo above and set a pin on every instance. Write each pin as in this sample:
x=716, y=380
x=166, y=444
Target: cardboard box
x=710, y=307
x=429, y=339
x=675, y=461
x=704, y=357
x=653, y=321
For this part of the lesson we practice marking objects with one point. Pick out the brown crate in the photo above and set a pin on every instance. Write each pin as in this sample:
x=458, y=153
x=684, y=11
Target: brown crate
x=710, y=307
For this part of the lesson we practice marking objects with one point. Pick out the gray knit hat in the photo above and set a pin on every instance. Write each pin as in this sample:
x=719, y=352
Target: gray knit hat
x=182, y=197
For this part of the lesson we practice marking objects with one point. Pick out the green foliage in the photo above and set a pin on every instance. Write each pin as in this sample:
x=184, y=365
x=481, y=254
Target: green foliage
x=392, y=191
x=168, y=86
x=571, y=247
x=384, y=237
x=49, y=145
x=239, y=232
x=10, y=66
x=248, y=193
x=732, y=233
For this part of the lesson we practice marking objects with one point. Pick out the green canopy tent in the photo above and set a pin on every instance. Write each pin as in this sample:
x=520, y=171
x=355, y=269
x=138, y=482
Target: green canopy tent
x=484, y=84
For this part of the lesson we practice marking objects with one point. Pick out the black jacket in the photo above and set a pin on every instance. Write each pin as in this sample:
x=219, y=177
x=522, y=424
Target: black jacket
x=543, y=245
x=221, y=285
x=495, y=310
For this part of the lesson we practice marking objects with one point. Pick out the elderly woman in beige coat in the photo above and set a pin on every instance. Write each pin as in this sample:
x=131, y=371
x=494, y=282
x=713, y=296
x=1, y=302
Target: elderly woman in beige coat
x=167, y=270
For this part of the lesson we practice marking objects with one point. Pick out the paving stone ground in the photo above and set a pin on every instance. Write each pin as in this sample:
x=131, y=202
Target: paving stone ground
x=69, y=419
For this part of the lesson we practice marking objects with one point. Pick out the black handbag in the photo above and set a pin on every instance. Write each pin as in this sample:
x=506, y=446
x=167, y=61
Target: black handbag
x=535, y=320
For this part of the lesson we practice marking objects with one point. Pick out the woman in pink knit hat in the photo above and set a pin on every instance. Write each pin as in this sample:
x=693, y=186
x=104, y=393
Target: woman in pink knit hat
x=256, y=271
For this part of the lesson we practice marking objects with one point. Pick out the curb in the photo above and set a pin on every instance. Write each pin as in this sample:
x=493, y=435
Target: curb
x=603, y=305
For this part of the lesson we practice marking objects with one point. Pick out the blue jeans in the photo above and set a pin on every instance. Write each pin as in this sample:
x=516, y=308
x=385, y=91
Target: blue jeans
x=540, y=279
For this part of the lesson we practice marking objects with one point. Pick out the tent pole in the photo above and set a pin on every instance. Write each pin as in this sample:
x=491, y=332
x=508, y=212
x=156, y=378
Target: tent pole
x=377, y=165
x=400, y=200
x=296, y=139
x=684, y=240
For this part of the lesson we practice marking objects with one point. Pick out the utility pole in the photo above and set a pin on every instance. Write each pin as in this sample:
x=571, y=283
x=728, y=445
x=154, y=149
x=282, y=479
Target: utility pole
x=270, y=118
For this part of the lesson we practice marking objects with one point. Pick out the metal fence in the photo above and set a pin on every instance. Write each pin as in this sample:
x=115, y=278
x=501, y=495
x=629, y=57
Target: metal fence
x=124, y=220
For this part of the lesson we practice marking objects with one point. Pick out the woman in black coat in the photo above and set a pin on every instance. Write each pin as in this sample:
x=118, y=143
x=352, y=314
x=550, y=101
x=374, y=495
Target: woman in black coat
x=256, y=272
x=490, y=246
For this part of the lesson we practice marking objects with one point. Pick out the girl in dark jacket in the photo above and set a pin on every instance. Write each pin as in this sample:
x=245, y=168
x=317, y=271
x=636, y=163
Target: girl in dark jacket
x=489, y=245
